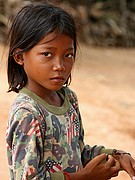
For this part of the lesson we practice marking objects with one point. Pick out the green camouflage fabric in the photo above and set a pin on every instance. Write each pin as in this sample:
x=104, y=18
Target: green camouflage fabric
x=44, y=140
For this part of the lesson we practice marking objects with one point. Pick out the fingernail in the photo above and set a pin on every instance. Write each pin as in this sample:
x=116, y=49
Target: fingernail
x=133, y=178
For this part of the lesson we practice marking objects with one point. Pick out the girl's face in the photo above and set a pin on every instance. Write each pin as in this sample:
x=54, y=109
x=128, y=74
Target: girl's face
x=49, y=63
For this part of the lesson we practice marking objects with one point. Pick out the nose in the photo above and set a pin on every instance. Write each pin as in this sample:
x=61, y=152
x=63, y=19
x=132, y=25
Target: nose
x=58, y=64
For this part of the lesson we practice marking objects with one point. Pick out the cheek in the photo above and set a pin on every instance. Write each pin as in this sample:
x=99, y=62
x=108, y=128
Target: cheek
x=69, y=63
x=30, y=69
x=69, y=66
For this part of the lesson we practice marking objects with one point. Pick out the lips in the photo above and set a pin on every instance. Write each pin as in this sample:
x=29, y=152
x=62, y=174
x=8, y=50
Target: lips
x=58, y=79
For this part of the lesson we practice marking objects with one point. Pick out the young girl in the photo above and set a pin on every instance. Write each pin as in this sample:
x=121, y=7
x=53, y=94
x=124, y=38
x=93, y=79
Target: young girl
x=45, y=134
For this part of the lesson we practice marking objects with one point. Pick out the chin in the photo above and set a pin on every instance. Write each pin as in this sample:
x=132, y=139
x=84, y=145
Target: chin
x=56, y=88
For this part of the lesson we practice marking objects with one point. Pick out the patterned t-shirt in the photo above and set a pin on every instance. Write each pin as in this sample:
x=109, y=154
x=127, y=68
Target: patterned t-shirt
x=44, y=140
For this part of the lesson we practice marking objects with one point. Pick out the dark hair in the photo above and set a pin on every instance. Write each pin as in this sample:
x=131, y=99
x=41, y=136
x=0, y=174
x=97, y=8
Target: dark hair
x=29, y=26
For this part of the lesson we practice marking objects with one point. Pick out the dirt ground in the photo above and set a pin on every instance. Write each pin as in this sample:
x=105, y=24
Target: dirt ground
x=104, y=80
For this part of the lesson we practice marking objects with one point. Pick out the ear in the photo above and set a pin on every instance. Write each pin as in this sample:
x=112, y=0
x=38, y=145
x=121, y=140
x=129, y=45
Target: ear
x=18, y=56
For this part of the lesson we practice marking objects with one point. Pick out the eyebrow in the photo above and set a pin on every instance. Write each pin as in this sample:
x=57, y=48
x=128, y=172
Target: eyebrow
x=51, y=47
x=70, y=48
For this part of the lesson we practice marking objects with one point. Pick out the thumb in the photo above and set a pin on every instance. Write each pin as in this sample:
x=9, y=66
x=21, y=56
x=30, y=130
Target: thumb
x=100, y=158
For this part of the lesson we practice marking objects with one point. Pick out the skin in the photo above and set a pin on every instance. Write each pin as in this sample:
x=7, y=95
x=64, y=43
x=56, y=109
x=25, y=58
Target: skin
x=48, y=65
x=98, y=168
x=127, y=163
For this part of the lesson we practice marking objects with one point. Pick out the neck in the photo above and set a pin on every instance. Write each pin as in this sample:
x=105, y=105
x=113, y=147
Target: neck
x=51, y=97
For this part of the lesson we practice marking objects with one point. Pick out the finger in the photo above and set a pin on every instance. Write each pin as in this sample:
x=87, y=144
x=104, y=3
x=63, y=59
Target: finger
x=116, y=166
x=115, y=169
x=115, y=174
x=111, y=161
x=100, y=158
x=133, y=165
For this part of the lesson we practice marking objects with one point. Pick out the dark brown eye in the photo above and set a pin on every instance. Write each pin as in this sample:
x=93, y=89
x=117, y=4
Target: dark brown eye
x=69, y=55
x=47, y=54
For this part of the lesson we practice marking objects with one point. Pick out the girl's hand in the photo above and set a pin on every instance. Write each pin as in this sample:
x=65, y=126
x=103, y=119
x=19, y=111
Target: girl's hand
x=100, y=168
x=128, y=164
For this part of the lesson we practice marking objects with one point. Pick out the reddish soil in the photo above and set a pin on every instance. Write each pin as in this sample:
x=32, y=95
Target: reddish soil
x=104, y=80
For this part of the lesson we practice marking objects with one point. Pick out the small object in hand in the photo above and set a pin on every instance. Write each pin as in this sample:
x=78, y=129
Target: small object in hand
x=106, y=157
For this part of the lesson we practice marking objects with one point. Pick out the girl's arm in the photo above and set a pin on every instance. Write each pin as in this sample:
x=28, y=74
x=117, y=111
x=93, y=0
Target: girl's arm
x=89, y=152
x=26, y=154
x=127, y=163
x=100, y=167
x=25, y=148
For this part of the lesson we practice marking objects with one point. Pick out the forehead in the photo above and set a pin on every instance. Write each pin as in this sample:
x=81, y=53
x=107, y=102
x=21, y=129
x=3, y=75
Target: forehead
x=54, y=37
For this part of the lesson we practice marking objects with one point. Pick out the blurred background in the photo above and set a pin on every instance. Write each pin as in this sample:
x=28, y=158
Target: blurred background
x=103, y=76
x=102, y=22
